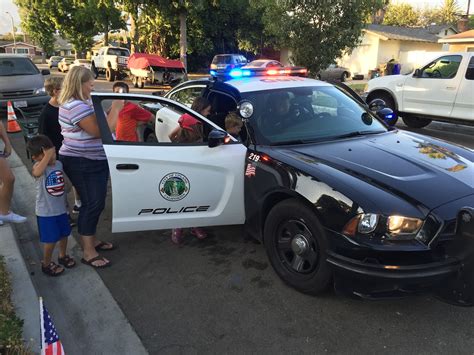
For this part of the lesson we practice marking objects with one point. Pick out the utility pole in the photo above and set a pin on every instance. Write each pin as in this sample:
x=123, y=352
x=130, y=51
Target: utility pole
x=13, y=32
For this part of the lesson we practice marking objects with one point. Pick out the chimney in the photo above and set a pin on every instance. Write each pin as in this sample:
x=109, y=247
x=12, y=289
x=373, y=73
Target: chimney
x=463, y=24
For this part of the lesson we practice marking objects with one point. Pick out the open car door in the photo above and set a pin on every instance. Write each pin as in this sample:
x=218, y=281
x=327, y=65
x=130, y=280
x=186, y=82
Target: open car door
x=161, y=185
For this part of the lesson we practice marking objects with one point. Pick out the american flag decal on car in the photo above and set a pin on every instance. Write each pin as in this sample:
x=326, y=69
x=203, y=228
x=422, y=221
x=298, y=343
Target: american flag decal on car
x=55, y=183
x=250, y=171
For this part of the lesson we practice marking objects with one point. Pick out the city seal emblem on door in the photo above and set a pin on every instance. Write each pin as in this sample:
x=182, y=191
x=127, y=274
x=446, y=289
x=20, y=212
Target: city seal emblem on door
x=174, y=187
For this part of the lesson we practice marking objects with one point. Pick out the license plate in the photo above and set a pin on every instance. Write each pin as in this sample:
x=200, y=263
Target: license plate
x=20, y=104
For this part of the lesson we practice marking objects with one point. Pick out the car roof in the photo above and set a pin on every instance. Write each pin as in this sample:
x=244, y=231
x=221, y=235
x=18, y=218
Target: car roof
x=11, y=55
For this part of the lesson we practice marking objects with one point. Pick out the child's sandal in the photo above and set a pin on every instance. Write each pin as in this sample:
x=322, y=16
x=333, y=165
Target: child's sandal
x=52, y=269
x=67, y=262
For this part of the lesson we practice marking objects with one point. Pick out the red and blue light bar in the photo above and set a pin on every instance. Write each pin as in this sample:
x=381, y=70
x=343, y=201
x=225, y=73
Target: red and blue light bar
x=247, y=73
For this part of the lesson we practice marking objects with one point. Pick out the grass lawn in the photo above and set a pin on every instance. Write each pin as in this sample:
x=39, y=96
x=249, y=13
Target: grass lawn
x=11, y=341
x=357, y=87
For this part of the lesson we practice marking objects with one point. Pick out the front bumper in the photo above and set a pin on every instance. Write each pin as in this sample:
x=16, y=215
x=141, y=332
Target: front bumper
x=34, y=103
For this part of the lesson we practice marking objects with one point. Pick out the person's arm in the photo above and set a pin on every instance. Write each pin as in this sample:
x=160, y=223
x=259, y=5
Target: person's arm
x=90, y=125
x=40, y=167
x=174, y=134
x=4, y=137
x=141, y=115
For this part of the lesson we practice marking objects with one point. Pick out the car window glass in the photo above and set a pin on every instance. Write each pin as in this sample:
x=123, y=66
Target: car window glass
x=118, y=51
x=17, y=66
x=186, y=96
x=470, y=70
x=307, y=114
x=442, y=68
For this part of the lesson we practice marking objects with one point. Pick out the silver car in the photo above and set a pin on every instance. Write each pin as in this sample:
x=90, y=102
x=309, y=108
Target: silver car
x=334, y=72
x=53, y=61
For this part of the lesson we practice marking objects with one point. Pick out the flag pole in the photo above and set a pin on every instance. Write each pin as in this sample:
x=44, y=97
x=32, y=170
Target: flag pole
x=41, y=325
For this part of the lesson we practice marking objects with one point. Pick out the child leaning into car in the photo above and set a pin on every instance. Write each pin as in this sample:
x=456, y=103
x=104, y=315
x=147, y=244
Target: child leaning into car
x=51, y=212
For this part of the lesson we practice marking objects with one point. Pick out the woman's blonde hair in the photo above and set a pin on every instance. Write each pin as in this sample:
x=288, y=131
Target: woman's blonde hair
x=52, y=84
x=72, y=85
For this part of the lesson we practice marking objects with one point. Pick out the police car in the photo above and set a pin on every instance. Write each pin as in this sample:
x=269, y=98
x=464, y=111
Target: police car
x=336, y=196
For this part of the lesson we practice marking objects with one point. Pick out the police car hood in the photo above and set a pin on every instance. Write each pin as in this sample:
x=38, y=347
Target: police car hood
x=429, y=171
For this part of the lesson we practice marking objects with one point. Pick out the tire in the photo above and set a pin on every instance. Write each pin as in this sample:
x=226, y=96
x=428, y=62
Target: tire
x=416, y=122
x=94, y=70
x=140, y=82
x=151, y=138
x=296, y=245
x=135, y=81
x=344, y=76
x=110, y=74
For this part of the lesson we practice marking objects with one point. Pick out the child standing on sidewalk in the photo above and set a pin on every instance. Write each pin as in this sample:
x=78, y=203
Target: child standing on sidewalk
x=53, y=224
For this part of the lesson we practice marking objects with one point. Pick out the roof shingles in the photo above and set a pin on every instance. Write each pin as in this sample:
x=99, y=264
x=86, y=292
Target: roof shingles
x=420, y=34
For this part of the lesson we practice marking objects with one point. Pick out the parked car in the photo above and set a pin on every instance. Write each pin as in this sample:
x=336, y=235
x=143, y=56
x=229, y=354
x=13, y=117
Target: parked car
x=441, y=90
x=111, y=61
x=53, y=61
x=86, y=63
x=335, y=196
x=224, y=62
x=334, y=72
x=64, y=64
x=263, y=63
x=21, y=83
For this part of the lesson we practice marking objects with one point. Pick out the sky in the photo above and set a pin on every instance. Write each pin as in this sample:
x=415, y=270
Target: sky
x=8, y=5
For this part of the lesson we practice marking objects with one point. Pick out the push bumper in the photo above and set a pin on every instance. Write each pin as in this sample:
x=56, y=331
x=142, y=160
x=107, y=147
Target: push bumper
x=370, y=280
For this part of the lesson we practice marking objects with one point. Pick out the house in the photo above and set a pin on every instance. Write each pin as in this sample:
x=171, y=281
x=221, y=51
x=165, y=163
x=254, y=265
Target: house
x=460, y=42
x=20, y=48
x=410, y=46
x=63, y=47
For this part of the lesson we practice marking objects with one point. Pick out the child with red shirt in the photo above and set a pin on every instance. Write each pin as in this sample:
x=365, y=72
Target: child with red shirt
x=129, y=117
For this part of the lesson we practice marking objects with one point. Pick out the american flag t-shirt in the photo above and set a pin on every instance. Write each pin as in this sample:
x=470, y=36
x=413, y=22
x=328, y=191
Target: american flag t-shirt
x=50, y=343
x=54, y=183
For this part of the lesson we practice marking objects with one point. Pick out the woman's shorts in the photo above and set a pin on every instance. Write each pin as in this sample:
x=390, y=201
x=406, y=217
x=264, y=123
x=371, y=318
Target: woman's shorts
x=53, y=229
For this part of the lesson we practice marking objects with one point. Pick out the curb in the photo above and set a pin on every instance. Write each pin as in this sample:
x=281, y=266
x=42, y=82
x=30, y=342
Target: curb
x=24, y=296
x=86, y=316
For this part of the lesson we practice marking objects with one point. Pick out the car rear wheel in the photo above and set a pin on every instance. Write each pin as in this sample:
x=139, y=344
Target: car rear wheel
x=416, y=122
x=135, y=81
x=140, y=82
x=296, y=245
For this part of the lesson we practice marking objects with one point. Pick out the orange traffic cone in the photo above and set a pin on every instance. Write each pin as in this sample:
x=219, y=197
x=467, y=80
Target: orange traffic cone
x=12, y=126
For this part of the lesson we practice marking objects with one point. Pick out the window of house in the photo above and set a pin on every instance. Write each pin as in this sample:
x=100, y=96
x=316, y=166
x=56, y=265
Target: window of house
x=21, y=50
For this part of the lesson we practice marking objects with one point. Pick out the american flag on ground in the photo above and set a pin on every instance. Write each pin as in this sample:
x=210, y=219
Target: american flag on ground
x=250, y=171
x=50, y=343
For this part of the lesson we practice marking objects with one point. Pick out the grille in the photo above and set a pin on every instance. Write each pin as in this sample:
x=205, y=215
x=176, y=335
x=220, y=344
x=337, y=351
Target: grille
x=16, y=94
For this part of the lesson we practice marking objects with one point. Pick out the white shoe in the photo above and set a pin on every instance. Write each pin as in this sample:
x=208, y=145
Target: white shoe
x=12, y=218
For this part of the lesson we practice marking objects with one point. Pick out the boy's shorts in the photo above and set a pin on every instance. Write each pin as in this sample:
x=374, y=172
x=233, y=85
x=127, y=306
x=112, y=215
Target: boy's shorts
x=53, y=229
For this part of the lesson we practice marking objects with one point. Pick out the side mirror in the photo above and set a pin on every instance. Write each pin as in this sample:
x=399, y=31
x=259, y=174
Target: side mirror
x=45, y=72
x=377, y=104
x=388, y=116
x=216, y=137
x=417, y=73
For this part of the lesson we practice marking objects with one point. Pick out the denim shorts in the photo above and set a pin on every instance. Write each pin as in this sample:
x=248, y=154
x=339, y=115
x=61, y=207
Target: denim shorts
x=90, y=178
x=53, y=229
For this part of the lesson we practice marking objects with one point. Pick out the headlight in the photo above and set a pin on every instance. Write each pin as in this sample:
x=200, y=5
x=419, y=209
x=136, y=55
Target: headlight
x=399, y=227
x=40, y=91
x=362, y=223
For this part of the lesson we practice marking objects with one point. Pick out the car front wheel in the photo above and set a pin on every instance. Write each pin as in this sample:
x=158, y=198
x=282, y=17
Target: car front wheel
x=296, y=245
x=416, y=122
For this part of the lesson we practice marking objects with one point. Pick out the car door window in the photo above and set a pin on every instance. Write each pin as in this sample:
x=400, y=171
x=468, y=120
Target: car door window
x=470, y=70
x=187, y=95
x=445, y=67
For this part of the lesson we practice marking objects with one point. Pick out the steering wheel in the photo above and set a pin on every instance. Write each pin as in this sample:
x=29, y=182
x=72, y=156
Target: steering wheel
x=301, y=112
x=436, y=74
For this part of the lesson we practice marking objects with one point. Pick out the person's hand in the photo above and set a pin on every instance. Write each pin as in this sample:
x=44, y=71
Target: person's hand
x=49, y=152
x=117, y=105
x=7, y=150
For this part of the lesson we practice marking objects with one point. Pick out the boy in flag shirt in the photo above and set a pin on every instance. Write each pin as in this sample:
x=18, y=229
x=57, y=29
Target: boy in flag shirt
x=51, y=212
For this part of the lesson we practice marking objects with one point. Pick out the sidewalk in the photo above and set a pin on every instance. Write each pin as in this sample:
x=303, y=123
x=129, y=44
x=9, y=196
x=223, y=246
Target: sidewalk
x=85, y=314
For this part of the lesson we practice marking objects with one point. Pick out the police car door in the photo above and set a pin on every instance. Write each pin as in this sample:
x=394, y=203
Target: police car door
x=167, y=185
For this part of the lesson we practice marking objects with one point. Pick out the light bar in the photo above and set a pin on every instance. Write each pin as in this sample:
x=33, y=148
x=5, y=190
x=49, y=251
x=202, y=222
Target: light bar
x=240, y=73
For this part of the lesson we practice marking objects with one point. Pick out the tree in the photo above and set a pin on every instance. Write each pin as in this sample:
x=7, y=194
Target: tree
x=37, y=24
x=316, y=32
x=108, y=18
x=402, y=14
x=449, y=12
x=132, y=8
x=471, y=21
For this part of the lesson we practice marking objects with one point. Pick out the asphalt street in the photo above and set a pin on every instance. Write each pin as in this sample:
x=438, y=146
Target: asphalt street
x=221, y=295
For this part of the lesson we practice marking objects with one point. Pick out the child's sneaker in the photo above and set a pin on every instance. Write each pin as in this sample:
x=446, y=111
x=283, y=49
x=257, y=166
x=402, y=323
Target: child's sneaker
x=199, y=233
x=177, y=236
x=12, y=218
x=75, y=209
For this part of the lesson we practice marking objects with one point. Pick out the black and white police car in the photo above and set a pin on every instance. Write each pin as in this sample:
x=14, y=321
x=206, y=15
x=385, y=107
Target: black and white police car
x=336, y=196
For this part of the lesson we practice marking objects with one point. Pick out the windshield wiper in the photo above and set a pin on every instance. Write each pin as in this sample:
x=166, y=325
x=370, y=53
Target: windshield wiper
x=295, y=141
x=357, y=134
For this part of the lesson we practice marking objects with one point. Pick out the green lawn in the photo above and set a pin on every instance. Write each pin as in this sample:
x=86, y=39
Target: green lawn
x=357, y=87
x=11, y=341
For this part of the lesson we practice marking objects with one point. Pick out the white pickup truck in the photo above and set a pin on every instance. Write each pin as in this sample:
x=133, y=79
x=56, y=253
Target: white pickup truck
x=442, y=90
x=112, y=61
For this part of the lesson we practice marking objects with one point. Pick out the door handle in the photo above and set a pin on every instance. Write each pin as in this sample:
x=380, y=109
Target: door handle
x=160, y=120
x=127, y=167
x=451, y=87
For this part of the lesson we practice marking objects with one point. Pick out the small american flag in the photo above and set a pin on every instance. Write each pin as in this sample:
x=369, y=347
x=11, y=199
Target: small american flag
x=250, y=171
x=50, y=343
x=55, y=183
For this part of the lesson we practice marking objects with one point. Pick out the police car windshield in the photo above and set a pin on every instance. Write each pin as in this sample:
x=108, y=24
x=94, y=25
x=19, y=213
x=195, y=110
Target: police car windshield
x=308, y=114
